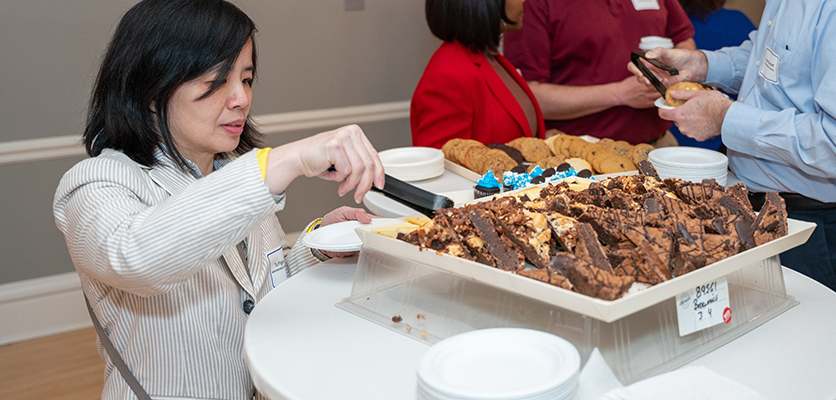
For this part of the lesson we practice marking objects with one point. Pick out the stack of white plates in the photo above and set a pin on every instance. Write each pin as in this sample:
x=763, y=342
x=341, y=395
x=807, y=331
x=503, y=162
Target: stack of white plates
x=413, y=163
x=498, y=364
x=690, y=163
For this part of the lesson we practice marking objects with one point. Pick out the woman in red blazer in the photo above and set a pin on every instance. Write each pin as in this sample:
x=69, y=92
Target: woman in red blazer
x=468, y=89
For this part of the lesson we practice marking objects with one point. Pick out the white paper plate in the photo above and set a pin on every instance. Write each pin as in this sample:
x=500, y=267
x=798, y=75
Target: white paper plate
x=413, y=163
x=662, y=103
x=500, y=363
x=688, y=157
x=339, y=237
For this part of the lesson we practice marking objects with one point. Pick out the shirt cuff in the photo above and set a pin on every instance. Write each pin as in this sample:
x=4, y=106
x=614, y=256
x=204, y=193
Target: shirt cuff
x=740, y=126
x=719, y=68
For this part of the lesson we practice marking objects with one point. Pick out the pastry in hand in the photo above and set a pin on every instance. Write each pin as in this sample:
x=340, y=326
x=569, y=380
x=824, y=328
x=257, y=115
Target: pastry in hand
x=681, y=86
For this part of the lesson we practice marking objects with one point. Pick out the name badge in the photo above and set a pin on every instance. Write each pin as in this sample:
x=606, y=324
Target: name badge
x=703, y=307
x=646, y=5
x=278, y=271
x=769, y=66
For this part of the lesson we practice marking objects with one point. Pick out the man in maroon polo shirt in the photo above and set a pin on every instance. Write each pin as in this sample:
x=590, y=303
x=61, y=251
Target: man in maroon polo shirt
x=574, y=55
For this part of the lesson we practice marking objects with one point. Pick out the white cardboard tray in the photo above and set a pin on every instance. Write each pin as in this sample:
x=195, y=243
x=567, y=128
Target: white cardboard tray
x=607, y=311
x=462, y=171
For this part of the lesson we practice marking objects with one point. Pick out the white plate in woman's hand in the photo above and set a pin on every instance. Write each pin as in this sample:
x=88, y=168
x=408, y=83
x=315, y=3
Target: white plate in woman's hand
x=339, y=237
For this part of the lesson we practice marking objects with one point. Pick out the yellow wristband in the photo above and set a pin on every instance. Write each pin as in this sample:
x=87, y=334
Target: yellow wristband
x=314, y=225
x=262, y=155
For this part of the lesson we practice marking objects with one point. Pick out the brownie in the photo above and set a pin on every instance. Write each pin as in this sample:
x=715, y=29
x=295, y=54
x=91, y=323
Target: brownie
x=696, y=192
x=560, y=281
x=607, y=224
x=589, y=248
x=740, y=191
x=461, y=224
x=438, y=235
x=530, y=231
x=547, y=275
x=735, y=205
x=562, y=262
x=744, y=233
x=564, y=229
x=540, y=274
x=507, y=258
x=592, y=281
x=629, y=262
x=772, y=219
x=654, y=246
x=647, y=169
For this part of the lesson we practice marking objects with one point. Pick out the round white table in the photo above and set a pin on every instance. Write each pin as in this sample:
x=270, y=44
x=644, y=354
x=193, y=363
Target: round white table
x=299, y=345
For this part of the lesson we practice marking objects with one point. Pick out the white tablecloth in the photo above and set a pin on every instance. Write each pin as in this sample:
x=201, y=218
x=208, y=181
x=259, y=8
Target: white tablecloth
x=298, y=345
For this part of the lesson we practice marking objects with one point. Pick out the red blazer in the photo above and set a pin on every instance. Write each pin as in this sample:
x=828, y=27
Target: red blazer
x=461, y=96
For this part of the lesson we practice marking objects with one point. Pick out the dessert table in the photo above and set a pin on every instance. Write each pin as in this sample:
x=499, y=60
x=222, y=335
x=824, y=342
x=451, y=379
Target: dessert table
x=299, y=345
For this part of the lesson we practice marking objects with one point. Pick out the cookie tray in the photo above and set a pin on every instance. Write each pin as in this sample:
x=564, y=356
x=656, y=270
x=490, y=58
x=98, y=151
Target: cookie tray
x=606, y=311
x=462, y=171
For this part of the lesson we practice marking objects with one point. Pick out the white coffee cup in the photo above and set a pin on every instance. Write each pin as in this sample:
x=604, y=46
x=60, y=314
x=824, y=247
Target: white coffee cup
x=651, y=42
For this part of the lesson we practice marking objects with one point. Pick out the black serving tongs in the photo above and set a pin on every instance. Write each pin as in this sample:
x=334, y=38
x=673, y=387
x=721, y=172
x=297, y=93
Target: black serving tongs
x=413, y=197
x=636, y=57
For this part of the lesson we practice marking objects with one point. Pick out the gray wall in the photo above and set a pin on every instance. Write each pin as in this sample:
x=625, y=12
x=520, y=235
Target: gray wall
x=312, y=55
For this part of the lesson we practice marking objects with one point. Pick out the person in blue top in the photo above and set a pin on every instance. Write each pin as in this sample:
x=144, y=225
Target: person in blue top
x=715, y=27
x=781, y=131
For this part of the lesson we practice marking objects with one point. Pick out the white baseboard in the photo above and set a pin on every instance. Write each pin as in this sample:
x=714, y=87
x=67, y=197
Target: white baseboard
x=41, y=307
x=19, y=151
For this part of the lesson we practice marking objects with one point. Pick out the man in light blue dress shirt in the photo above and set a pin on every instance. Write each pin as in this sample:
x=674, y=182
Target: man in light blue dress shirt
x=781, y=132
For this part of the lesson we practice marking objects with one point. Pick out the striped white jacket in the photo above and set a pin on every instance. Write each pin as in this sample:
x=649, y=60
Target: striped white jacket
x=147, y=242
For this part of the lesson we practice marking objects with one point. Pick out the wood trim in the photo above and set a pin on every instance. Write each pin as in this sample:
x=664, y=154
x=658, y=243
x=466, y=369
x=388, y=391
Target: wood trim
x=20, y=151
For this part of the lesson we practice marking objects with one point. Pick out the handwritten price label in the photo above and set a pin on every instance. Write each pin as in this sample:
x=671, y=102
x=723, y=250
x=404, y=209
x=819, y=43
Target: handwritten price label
x=703, y=306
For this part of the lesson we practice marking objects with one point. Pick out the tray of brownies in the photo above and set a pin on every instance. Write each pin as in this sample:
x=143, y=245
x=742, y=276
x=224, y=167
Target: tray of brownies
x=608, y=250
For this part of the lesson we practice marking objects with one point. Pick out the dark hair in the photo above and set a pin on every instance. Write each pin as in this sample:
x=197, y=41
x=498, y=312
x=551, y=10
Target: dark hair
x=473, y=23
x=158, y=46
x=701, y=8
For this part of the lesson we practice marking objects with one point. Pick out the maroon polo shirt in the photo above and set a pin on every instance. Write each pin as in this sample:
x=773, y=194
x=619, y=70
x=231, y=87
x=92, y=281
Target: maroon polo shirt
x=588, y=42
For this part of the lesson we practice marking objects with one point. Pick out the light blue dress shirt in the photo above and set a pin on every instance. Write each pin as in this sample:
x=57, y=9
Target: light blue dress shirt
x=781, y=132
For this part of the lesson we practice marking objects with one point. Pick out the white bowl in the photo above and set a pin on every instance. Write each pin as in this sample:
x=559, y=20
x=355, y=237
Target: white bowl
x=413, y=163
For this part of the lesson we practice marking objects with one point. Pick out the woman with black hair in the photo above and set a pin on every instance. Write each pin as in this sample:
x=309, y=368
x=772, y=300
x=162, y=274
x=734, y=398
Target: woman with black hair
x=468, y=89
x=171, y=224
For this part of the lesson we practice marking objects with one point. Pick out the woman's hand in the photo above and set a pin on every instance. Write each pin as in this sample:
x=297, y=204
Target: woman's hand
x=346, y=213
x=343, y=214
x=355, y=162
x=691, y=64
